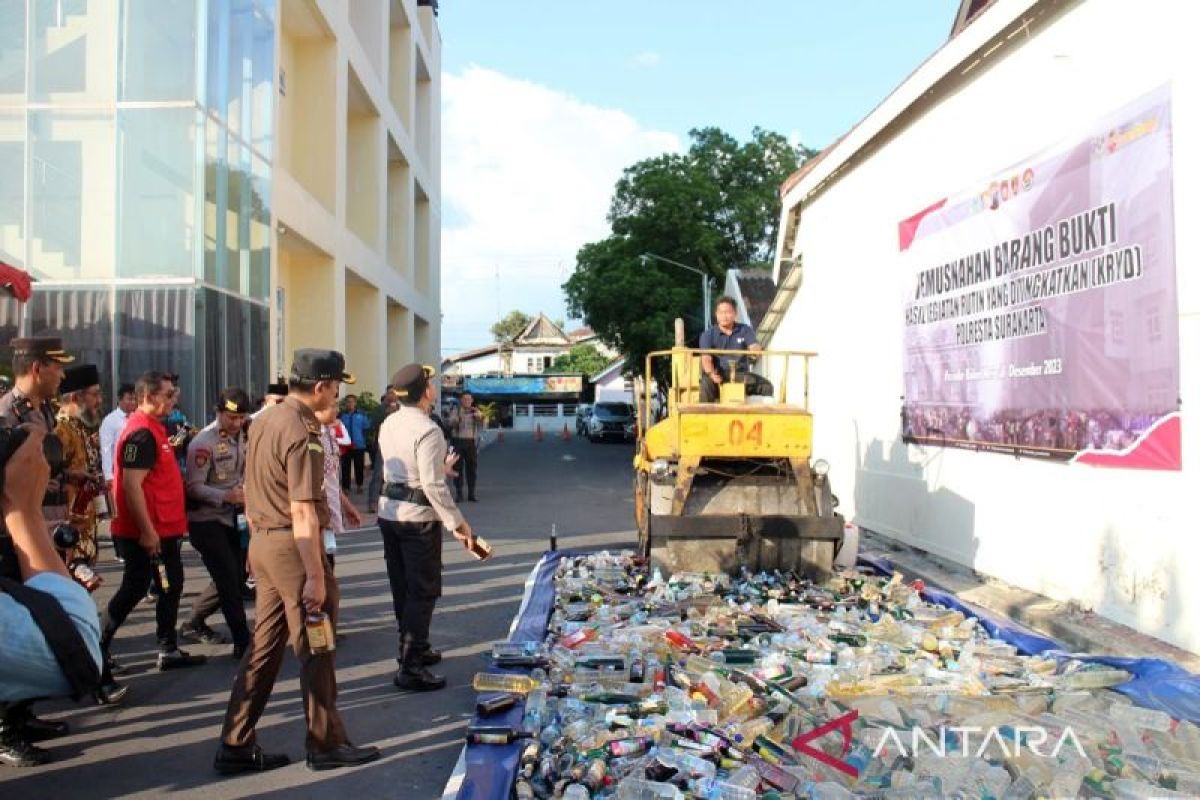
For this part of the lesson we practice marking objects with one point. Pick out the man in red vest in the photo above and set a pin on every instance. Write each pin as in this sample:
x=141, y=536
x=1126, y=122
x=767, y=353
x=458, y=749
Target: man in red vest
x=151, y=519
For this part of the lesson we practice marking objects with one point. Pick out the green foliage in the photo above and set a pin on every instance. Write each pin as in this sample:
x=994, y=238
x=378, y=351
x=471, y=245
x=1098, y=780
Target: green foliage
x=584, y=358
x=511, y=326
x=490, y=412
x=367, y=403
x=715, y=207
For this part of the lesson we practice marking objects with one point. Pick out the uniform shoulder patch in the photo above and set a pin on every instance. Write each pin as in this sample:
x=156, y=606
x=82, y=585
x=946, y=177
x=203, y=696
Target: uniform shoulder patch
x=201, y=457
x=316, y=448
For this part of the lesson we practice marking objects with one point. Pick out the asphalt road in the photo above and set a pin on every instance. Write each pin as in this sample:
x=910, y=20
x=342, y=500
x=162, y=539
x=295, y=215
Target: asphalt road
x=163, y=739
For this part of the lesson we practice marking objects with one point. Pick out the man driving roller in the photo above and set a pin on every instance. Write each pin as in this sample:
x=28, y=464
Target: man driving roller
x=727, y=334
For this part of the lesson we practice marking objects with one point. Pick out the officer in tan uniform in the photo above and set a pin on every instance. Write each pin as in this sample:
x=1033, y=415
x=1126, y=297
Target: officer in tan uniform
x=285, y=502
x=216, y=470
x=415, y=508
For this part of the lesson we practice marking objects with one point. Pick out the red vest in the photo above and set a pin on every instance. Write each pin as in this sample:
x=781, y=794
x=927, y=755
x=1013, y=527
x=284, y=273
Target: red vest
x=163, y=486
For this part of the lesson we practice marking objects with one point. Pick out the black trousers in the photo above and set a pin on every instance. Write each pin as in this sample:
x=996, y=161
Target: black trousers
x=356, y=459
x=468, y=466
x=220, y=547
x=755, y=385
x=139, y=572
x=375, y=485
x=413, y=552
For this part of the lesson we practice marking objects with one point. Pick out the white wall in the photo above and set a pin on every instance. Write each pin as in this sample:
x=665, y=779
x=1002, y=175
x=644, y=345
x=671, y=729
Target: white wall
x=1119, y=541
x=614, y=389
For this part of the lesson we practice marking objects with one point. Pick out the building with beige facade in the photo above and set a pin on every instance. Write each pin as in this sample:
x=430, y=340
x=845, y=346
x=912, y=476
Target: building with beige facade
x=206, y=185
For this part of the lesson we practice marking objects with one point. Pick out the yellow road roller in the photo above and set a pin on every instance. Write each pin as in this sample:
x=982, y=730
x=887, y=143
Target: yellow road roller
x=732, y=483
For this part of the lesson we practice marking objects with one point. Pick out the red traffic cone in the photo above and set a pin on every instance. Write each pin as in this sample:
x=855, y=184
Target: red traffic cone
x=566, y=434
x=537, y=433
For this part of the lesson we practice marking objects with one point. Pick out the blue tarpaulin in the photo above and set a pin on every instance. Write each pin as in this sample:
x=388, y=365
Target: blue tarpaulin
x=491, y=769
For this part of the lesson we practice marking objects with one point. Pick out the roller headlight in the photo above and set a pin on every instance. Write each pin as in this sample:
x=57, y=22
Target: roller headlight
x=820, y=468
x=660, y=470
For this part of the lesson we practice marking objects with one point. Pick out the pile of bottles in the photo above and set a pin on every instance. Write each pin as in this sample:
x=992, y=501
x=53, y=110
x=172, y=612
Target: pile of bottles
x=773, y=686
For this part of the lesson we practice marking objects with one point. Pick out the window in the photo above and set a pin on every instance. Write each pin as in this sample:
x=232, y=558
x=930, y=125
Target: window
x=157, y=164
x=529, y=365
x=158, y=50
x=73, y=46
x=12, y=50
x=547, y=362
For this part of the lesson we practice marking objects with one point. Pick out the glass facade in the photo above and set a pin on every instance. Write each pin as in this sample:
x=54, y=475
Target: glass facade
x=135, y=152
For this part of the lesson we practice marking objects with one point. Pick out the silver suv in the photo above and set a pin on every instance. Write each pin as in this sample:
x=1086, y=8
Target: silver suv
x=611, y=421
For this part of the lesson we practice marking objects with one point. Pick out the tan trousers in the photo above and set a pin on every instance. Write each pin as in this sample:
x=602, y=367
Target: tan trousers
x=279, y=613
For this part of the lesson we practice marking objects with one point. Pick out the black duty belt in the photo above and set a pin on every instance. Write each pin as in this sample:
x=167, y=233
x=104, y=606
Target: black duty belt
x=405, y=494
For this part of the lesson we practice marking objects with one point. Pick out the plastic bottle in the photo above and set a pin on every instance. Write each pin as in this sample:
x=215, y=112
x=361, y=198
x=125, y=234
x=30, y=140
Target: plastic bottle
x=640, y=789
x=494, y=682
x=535, y=710
x=1127, y=789
x=1141, y=717
x=1095, y=678
x=687, y=763
x=576, y=791
x=713, y=789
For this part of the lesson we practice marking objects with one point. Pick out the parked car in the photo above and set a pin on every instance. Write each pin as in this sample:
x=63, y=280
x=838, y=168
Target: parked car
x=583, y=413
x=611, y=421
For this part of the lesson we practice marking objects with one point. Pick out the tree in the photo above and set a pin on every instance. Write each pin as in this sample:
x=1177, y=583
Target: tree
x=511, y=326
x=714, y=207
x=583, y=358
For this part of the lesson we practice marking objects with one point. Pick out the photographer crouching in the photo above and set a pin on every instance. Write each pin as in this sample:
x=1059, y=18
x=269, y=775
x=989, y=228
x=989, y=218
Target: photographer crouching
x=48, y=623
x=38, y=369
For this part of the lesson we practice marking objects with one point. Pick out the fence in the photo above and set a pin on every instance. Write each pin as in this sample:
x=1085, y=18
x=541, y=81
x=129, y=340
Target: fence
x=551, y=416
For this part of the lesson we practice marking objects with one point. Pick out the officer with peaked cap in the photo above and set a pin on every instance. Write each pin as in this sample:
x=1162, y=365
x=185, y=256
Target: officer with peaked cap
x=216, y=470
x=415, y=506
x=285, y=503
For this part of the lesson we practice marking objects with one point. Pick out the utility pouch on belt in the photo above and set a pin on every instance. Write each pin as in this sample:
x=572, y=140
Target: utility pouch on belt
x=405, y=494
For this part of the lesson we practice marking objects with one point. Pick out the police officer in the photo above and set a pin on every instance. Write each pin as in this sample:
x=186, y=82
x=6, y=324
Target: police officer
x=285, y=502
x=416, y=504
x=38, y=370
x=216, y=466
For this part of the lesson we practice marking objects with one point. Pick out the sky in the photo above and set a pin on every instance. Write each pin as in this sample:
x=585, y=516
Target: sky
x=545, y=102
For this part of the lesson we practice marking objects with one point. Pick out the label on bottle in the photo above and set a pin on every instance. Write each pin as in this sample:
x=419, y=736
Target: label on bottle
x=320, y=633
x=481, y=549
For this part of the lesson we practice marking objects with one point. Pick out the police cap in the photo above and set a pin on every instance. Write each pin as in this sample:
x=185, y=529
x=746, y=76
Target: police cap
x=78, y=377
x=49, y=347
x=320, y=365
x=234, y=401
x=410, y=381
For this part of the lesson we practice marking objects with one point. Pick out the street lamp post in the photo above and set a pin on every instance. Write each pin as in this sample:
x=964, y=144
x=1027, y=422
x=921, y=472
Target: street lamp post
x=704, y=277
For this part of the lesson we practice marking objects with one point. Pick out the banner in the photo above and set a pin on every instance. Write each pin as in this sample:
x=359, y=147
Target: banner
x=531, y=385
x=1040, y=313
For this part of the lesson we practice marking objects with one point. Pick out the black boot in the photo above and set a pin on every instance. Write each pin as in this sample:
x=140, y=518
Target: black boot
x=15, y=748
x=413, y=675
